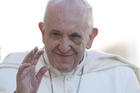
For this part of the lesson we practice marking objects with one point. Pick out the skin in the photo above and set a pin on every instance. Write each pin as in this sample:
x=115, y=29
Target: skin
x=65, y=36
x=27, y=80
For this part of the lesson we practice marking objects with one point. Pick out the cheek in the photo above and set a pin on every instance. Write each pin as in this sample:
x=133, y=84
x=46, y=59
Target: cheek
x=83, y=46
x=80, y=51
x=49, y=43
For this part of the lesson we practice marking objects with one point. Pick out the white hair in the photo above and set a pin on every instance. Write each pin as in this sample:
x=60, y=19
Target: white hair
x=86, y=5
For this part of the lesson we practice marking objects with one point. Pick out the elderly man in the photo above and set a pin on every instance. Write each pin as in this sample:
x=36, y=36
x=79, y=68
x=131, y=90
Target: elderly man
x=64, y=65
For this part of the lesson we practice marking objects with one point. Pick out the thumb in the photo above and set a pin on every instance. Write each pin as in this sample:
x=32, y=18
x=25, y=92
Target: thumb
x=41, y=73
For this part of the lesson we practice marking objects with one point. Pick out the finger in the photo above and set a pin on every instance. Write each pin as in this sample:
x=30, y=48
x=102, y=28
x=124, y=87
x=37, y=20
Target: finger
x=21, y=69
x=41, y=73
x=37, y=56
x=28, y=58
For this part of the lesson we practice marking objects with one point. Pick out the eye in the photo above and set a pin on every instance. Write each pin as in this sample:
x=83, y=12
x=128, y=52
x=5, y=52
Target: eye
x=56, y=34
x=75, y=35
x=76, y=38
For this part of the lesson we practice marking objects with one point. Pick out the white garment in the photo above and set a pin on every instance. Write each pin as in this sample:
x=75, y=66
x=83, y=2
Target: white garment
x=103, y=73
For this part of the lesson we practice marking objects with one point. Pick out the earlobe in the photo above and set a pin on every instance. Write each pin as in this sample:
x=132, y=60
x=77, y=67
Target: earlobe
x=88, y=47
x=95, y=32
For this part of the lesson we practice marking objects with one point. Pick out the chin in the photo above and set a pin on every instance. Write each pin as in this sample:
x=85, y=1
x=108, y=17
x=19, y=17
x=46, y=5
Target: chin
x=64, y=69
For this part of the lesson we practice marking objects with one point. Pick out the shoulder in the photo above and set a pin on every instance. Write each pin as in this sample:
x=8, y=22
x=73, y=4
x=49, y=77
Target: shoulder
x=13, y=59
x=8, y=70
x=124, y=71
x=99, y=54
x=105, y=58
x=100, y=61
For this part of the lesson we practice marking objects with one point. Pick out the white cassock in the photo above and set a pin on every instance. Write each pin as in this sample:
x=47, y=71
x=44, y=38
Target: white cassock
x=102, y=73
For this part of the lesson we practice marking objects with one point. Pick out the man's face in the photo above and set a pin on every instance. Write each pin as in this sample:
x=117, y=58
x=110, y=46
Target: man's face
x=65, y=38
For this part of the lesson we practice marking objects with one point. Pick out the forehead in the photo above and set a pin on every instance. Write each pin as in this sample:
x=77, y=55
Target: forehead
x=66, y=17
x=67, y=27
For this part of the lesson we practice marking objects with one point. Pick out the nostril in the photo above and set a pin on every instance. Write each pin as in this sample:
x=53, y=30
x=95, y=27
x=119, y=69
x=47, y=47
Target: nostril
x=64, y=48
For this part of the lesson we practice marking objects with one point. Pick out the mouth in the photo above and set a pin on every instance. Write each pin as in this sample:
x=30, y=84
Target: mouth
x=64, y=55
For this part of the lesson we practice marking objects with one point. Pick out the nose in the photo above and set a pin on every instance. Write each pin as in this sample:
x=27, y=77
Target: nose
x=64, y=45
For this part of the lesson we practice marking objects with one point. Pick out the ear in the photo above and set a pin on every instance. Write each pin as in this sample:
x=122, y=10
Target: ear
x=91, y=37
x=42, y=29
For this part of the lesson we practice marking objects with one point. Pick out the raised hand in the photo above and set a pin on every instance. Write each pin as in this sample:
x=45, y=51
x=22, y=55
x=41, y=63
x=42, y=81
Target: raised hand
x=27, y=80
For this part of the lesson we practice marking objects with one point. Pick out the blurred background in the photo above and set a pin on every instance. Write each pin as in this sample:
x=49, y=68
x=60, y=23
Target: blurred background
x=118, y=22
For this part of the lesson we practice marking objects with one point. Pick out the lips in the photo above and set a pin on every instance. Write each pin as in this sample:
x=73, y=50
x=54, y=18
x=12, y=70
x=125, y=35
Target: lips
x=64, y=55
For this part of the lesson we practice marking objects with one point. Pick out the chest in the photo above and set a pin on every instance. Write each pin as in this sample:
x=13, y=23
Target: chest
x=90, y=83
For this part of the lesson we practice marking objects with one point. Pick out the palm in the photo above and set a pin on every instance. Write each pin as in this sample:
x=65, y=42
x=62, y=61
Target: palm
x=27, y=80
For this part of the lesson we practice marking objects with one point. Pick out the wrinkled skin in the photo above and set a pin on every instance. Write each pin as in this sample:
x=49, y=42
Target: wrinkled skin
x=65, y=35
x=27, y=80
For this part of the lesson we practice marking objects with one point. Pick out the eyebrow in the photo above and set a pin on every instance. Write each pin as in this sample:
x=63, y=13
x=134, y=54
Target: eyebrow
x=54, y=31
x=75, y=34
